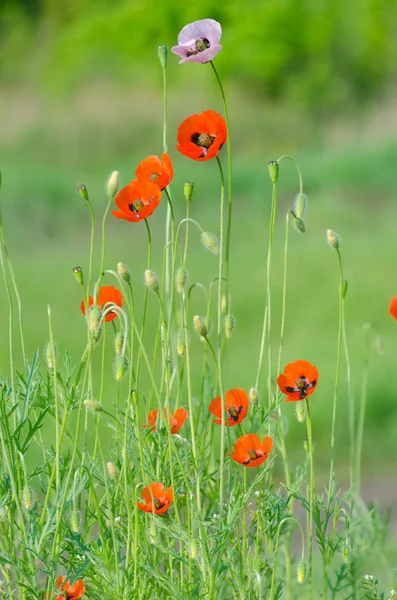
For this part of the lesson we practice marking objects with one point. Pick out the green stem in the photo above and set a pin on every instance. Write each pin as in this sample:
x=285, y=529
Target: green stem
x=273, y=581
x=149, y=263
x=361, y=416
x=312, y=492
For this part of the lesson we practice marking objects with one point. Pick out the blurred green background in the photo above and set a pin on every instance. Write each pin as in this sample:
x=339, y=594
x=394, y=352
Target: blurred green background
x=81, y=95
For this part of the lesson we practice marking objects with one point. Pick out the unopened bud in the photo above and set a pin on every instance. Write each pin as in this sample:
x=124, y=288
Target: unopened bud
x=346, y=553
x=82, y=190
x=300, y=411
x=50, y=353
x=74, y=521
x=113, y=184
x=344, y=288
x=97, y=336
x=163, y=54
x=210, y=242
x=119, y=342
x=273, y=170
x=112, y=470
x=120, y=367
x=253, y=396
x=93, y=405
x=180, y=341
x=180, y=279
x=152, y=281
x=301, y=572
x=27, y=498
x=78, y=274
x=94, y=317
x=200, y=326
x=300, y=205
x=333, y=239
x=123, y=272
x=223, y=303
x=188, y=190
x=230, y=323
x=170, y=368
x=193, y=549
x=299, y=225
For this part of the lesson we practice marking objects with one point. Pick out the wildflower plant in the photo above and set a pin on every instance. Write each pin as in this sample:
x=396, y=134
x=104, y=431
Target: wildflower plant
x=177, y=494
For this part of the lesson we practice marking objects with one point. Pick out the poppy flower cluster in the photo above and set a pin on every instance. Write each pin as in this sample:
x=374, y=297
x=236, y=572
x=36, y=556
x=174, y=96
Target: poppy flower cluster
x=176, y=420
x=107, y=295
x=140, y=198
x=156, y=499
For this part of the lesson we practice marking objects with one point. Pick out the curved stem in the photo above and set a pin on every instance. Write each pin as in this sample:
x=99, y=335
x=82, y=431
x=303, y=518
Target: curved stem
x=273, y=581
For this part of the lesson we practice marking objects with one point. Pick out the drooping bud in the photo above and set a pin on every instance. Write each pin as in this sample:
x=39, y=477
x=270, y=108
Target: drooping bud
x=301, y=572
x=94, y=317
x=300, y=411
x=50, y=353
x=170, y=368
x=28, y=498
x=112, y=185
x=300, y=205
x=93, y=405
x=120, y=367
x=346, y=553
x=299, y=225
x=75, y=521
x=253, y=396
x=273, y=170
x=188, y=190
x=200, y=326
x=230, y=323
x=82, y=190
x=163, y=55
x=180, y=279
x=152, y=281
x=119, y=342
x=180, y=341
x=112, y=470
x=123, y=272
x=97, y=336
x=78, y=274
x=344, y=288
x=210, y=242
x=333, y=239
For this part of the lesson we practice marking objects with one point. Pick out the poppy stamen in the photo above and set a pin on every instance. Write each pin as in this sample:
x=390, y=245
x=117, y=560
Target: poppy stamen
x=136, y=206
x=157, y=503
x=200, y=45
x=234, y=412
x=154, y=176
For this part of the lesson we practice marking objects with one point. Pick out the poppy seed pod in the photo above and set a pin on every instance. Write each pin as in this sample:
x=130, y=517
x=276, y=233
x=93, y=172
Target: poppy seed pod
x=123, y=272
x=299, y=225
x=93, y=405
x=301, y=572
x=210, y=242
x=180, y=279
x=78, y=274
x=163, y=55
x=253, y=396
x=119, y=342
x=300, y=204
x=82, y=190
x=200, y=326
x=50, y=352
x=152, y=281
x=273, y=170
x=94, y=317
x=112, y=185
x=333, y=239
x=230, y=323
x=188, y=190
x=120, y=367
x=300, y=411
x=112, y=470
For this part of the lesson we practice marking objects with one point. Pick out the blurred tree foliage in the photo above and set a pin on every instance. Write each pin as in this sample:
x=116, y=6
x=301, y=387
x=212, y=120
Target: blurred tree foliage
x=303, y=51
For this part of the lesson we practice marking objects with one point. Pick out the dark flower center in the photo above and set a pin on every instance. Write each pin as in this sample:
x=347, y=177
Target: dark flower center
x=157, y=503
x=301, y=386
x=200, y=45
x=154, y=176
x=136, y=206
x=252, y=454
x=234, y=413
x=204, y=140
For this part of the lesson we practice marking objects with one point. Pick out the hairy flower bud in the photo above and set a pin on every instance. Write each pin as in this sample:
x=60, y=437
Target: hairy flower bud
x=112, y=185
x=301, y=572
x=93, y=405
x=97, y=336
x=163, y=55
x=82, y=190
x=50, y=353
x=193, y=549
x=223, y=303
x=120, y=367
x=273, y=170
x=300, y=205
x=333, y=239
x=123, y=272
x=74, y=520
x=112, y=470
x=119, y=342
x=253, y=396
x=94, y=317
x=152, y=281
x=180, y=342
x=78, y=274
x=230, y=323
x=200, y=326
x=300, y=411
x=188, y=190
x=210, y=242
x=28, y=498
x=180, y=279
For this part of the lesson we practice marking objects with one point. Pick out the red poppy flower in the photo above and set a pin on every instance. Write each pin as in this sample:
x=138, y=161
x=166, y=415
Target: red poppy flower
x=249, y=451
x=393, y=307
x=70, y=592
x=236, y=407
x=107, y=293
x=298, y=381
x=157, y=501
x=155, y=170
x=176, y=420
x=137, y=200
x=201, y=137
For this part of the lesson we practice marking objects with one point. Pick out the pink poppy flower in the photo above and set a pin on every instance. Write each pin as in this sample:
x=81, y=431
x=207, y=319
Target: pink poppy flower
x=199, y=41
